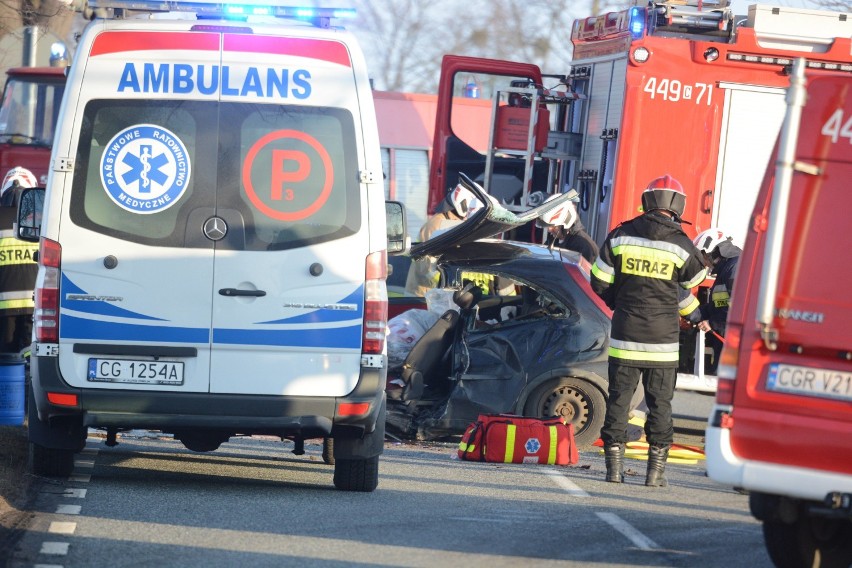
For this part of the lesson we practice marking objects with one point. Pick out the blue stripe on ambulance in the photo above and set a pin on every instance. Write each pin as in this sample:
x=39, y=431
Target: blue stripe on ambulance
x=355, y=299
x=348, y=337
x=345, y=336
x=73, y=327
x=96, y=307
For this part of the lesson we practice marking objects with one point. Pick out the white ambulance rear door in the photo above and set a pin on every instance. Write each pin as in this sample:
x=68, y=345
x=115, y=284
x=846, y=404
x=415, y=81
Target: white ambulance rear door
x=288, y=285
x=136, y=280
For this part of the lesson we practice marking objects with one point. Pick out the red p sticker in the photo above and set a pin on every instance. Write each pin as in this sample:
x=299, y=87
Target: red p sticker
x=282, y=175
x=288, y=175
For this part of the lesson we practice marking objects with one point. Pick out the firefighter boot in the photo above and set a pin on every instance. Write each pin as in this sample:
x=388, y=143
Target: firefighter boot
x=614, y=458
x=657, y=456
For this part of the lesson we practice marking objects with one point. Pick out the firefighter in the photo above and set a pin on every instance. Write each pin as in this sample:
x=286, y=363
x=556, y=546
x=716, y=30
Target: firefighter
x=641, y=267
x=456, y=207
x=566, y=230
x=721, y=256
x=17, y=268
x=423, y=276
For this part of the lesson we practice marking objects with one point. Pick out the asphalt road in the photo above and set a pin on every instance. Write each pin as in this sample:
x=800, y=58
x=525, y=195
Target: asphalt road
x=150, y=502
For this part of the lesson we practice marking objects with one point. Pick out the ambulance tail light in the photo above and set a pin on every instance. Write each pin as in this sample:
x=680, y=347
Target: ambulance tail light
x=375, y=304
x=46, y=314
x=728, y=360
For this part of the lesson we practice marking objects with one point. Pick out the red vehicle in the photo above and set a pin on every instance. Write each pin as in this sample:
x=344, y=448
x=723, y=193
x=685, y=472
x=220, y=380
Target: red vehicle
x=781, y=427
x=406, y=130
x=28, y=111
x=682, y=87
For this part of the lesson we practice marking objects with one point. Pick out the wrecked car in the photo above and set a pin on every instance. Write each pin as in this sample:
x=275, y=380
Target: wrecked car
x=539, y=349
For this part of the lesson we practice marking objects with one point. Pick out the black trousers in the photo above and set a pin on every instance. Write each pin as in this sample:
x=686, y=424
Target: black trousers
x=659, y=390
x=15, y=332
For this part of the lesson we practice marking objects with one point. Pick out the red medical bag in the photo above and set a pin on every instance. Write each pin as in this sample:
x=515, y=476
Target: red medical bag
x=516, y=439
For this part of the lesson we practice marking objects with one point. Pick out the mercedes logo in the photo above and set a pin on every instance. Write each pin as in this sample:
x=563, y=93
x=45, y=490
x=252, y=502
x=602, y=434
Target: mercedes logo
x=215, y=228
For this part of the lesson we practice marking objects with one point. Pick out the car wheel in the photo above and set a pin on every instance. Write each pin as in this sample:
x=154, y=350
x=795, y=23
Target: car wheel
x=49, y=462
x=328, y=450
x=357, y=475
x=579, y=402
x=809, y=541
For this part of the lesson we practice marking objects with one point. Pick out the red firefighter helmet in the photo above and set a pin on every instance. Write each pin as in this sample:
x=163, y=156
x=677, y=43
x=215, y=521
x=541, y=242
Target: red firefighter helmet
x=664, y=193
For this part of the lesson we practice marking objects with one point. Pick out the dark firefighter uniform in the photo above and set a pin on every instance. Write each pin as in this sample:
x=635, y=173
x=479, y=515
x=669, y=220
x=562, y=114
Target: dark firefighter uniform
x=17, y=280
x=577, y=239
x=715, y=310
x=643, y=265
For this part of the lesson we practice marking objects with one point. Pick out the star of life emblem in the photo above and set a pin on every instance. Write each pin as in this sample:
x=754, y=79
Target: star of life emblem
x=145, y=169
x=532, y=446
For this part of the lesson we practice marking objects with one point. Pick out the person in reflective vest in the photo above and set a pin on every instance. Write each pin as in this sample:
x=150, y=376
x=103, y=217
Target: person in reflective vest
x=722, y=256
x=17, y=267
x=642, y=266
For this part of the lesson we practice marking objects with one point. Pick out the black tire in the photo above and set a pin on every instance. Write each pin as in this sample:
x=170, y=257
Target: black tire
x=810, y=542
x=357, y=475
x=577, y=400
x=328, y=450
x=48, y=462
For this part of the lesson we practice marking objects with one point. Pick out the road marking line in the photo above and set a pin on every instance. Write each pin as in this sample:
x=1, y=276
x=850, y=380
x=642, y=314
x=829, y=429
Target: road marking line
x=81, y=477
x=569, y=486
x=48, y=566
x=625, y=528
x=484, y=519
x=68, y=509
x=90, y=450
x=84, y=463
x=77, y=493
x=62, y=527
x=55, y=548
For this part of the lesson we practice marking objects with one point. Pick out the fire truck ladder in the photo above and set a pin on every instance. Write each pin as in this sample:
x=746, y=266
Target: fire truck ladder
x=506, y=138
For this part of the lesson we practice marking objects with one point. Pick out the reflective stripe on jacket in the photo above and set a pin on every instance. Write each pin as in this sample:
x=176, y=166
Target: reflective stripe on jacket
x=644, y=266
x=716, y=310
x=17, y=268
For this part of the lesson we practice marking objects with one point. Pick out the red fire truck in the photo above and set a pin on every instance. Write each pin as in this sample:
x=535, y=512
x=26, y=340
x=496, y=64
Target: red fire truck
x=685, y=88
x=28, y=111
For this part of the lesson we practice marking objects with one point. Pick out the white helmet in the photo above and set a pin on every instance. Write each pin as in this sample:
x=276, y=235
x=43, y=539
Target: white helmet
x=563, y=215
x=708, y=240
x=462, y=201
x=22, y=177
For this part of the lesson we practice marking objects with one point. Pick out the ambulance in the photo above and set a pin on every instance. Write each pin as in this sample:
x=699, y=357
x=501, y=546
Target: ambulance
x=214, y=237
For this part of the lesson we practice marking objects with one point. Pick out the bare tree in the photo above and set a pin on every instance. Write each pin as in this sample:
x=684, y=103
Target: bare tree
x=406, y=39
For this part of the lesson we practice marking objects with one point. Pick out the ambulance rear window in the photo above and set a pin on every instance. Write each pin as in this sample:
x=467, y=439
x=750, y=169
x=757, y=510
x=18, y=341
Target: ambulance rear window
x=153, y=172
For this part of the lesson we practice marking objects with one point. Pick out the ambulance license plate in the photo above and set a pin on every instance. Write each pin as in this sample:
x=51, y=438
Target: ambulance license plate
x=137, y=372
x=824, y=383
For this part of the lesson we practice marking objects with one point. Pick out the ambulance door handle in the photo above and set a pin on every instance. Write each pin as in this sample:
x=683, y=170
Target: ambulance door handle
x=707, y=201
x=236, y=292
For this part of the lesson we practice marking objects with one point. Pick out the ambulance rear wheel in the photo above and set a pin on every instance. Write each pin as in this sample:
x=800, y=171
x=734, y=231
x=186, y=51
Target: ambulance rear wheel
x=577, y=401
x=357, y=474
x=50, y=462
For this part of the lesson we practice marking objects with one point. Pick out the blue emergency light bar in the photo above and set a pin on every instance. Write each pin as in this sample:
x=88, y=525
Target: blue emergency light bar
x=637, y=22
x=214, y=8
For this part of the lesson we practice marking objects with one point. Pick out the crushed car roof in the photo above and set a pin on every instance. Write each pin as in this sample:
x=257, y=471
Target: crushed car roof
x=488, y=221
